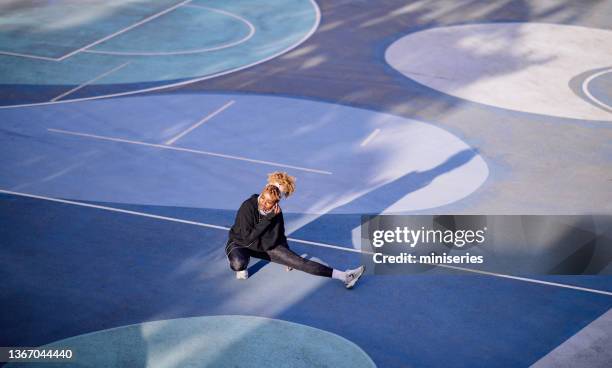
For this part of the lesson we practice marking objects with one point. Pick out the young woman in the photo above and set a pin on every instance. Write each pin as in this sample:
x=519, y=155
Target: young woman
x=259, y=231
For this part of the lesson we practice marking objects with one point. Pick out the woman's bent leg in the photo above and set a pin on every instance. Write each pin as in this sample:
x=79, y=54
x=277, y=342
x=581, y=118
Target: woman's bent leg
x=238, y=257
x=283, y=255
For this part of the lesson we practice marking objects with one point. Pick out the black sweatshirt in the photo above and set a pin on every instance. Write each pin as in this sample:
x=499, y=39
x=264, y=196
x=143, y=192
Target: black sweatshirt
x=258, y=232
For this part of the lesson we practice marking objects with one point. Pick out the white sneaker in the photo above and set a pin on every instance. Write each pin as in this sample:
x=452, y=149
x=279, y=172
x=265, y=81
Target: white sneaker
x=242, y=275
x=352, y=276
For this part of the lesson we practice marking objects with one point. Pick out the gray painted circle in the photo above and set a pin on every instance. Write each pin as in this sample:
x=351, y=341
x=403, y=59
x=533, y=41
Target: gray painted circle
x=523, y=67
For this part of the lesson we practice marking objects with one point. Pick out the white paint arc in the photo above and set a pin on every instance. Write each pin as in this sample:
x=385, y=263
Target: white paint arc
x=524, y=67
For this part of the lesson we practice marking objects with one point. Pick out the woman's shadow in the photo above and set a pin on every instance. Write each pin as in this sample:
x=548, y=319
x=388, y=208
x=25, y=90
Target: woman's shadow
x=383, y=197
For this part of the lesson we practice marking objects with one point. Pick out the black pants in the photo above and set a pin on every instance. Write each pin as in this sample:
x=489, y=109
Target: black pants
x=239, y=257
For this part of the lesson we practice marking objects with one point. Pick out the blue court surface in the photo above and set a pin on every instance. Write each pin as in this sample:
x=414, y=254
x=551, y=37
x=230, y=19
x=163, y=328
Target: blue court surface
x=131, y=132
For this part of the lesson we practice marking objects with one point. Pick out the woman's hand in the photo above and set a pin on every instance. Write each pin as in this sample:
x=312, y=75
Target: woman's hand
x=277, y=209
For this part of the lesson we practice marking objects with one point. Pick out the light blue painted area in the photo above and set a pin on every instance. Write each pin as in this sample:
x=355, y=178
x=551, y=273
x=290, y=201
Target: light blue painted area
x=276, y=27
x=43, y=28
x=214, y=341
x=600, y=87
x=346, y=160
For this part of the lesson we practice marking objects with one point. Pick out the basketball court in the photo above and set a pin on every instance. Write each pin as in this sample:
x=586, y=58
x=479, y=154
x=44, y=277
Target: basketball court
x=131, y=132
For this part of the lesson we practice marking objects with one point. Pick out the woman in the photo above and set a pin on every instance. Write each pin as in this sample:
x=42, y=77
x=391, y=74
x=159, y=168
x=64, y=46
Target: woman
x=259, y=231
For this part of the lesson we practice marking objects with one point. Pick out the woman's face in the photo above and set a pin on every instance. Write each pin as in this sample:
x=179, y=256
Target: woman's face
x=266, y=203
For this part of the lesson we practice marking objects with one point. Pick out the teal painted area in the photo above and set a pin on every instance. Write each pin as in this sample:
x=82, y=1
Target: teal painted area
x=185, y=29
x=279, y=25
x=214, y=341
x=56, y=28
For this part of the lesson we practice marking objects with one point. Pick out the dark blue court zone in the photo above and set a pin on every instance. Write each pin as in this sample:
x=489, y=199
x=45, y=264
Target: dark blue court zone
x=69, y=270
x=115, y=213
x=118, y=47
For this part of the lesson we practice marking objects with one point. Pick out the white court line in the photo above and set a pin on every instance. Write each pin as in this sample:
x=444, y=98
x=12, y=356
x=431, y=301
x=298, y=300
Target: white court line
x=201, y=224
x=585, y=89
x=194, y=51
x=206, y=118
x=113, y=209
x=370, y=137
x=525, y=279
x=27, y=56
x=165, y=218
x=90, y=81
x=163, y=146
x=190, y=81
x=148, y=19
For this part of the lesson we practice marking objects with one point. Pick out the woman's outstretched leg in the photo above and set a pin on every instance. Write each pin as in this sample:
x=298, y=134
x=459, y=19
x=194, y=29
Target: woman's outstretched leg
x=283, y=255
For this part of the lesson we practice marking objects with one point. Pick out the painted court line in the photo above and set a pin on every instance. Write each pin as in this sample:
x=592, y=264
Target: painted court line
x=205, y=119
x=113, y=209
x=249, y=25
x=148, y=19
x=525, y=279
x=214, y=154
x=165, y=218
x=370, y=137
x=27, y=56
x=90, y=81
x=585, y=90
x=201, y=224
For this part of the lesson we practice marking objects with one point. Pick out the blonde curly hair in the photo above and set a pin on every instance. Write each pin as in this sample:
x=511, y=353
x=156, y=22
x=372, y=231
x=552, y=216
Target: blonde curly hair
x=284, y=182
x=273, y=193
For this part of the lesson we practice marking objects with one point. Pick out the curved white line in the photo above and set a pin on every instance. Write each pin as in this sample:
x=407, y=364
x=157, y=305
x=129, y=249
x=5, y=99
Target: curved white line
x=194, y=51
x=183, y=83
x=67, y=341
x=585, y=90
